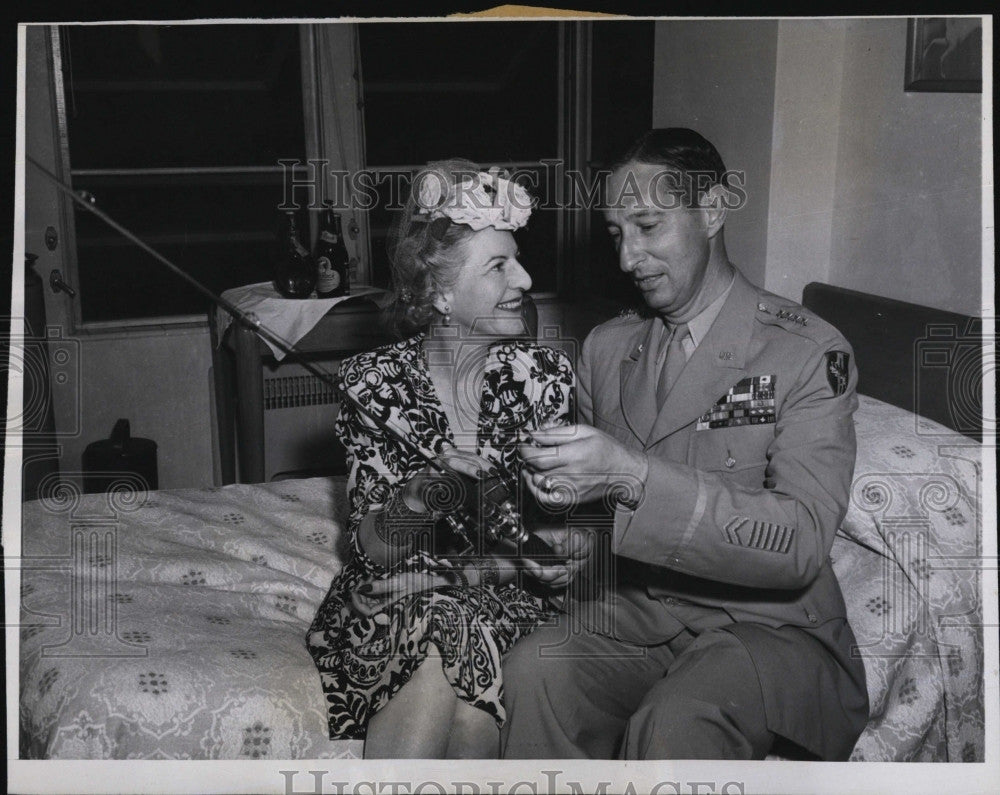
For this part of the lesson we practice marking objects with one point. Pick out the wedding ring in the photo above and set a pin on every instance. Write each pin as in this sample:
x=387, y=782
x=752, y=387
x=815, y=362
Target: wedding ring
x=546, y=484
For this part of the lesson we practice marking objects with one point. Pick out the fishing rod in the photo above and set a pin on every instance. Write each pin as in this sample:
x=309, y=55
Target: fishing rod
x=500, y=490
x=247, y=319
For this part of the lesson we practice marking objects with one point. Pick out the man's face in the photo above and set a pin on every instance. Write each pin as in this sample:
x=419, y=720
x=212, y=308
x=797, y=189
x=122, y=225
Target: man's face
x=661, y=244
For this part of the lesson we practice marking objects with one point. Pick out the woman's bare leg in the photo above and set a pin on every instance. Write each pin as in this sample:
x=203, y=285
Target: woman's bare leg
x=416, y=722
x=474, y=734
x=426, y=720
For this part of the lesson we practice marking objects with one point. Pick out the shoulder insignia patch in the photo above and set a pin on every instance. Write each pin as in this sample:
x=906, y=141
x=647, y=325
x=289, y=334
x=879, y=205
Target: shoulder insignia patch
x=627, y=312
x=837, y=367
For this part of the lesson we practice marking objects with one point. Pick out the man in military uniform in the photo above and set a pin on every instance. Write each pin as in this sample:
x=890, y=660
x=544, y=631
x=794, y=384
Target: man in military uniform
x=723, y=423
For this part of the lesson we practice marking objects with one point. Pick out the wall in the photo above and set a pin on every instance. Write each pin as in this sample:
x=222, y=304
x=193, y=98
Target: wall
x=807, y=112
x=156, y=377
x=906, y=217
x=717, y=77
x=851, y=180
x=872, y=188
x=160, y=381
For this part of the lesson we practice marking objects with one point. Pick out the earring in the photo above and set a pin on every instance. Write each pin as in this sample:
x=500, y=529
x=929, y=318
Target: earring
x=447, y=314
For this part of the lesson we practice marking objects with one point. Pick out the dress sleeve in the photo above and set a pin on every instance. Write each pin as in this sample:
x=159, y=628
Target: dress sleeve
x=557, y=399
x=371, y=479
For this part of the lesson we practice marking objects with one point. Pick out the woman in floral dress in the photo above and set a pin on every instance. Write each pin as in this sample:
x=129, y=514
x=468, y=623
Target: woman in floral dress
x=410, y=637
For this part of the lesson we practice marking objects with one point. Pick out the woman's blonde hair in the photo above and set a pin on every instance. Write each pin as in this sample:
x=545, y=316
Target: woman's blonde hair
x=424, y=255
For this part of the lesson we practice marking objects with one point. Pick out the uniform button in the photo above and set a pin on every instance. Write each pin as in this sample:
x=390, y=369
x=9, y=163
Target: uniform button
x=762, y=307
x=730, y=462
x=812, y=618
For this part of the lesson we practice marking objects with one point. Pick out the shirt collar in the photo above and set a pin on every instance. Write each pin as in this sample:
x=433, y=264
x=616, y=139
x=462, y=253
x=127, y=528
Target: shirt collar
x=699, y=325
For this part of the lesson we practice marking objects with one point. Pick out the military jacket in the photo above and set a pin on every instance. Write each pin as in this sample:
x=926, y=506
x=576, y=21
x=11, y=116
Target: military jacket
x=751, y=459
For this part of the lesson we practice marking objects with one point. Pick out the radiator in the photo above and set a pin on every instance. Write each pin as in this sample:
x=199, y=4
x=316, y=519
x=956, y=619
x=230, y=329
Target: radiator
x=299, y=413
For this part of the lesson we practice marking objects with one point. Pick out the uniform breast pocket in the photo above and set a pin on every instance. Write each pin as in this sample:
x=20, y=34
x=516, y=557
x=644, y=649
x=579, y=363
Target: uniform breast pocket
x=614, y=424
x=619, y=432
x=739, y=451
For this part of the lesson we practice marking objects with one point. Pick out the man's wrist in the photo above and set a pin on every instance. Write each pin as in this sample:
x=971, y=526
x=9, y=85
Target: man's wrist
x=629, y=493
x=489, y=571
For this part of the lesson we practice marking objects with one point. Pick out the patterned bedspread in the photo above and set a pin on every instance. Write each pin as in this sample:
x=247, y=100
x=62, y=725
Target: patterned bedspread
x=172, y=624
x=191, y=609
x=908, y=557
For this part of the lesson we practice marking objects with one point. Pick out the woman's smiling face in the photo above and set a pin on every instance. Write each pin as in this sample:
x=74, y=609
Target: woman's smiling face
x=486, y=297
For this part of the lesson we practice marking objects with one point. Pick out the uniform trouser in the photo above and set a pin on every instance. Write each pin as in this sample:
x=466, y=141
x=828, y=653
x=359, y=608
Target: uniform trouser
x=590, y=696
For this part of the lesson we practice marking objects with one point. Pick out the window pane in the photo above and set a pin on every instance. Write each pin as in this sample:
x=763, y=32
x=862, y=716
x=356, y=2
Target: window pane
x=622, y=91
x=224, y=235
x=485, y=91
x=539, y=240
x=141, y=96
x=621, y=85
x=488, y=92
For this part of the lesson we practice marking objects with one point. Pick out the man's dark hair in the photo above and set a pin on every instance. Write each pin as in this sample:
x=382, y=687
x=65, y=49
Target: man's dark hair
x=679, y=149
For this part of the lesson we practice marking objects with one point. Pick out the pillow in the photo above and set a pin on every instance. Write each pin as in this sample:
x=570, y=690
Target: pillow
x=907, y=558
x=912, y=471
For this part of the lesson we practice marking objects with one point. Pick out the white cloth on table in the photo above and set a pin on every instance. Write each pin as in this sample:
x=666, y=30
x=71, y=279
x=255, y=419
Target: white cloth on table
x=288, y=318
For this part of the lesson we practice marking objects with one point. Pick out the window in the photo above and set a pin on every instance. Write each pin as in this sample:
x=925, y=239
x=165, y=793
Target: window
x=513, y=95
x=177, y=132
x=487, y=92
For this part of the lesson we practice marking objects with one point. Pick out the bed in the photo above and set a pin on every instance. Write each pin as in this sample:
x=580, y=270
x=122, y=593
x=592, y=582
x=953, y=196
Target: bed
x=171, y=624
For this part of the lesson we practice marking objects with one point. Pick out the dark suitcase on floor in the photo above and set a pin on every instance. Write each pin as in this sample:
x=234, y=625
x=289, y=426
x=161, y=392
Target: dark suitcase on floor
x=120, y=462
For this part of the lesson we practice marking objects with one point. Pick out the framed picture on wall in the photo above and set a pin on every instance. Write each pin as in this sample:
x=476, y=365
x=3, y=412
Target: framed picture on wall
x=944, y=54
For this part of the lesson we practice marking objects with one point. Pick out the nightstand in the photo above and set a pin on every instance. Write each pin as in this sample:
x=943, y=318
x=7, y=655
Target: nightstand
x=239, y=365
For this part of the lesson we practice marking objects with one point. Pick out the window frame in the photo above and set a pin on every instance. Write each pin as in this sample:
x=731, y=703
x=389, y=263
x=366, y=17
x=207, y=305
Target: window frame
x=67, y=210
x=342, y=144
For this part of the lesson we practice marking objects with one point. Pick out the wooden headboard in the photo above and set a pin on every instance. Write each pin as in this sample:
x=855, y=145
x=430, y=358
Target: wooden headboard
x=924, y=360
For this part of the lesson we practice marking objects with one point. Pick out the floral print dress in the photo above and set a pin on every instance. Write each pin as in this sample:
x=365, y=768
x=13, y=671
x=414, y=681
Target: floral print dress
x=364, y=661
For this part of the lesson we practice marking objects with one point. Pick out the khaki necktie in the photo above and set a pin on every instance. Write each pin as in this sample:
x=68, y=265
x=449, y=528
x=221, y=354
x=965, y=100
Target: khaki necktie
x=673, y=363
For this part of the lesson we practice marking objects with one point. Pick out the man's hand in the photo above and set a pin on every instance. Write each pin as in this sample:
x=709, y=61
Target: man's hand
x=573, y=543
x=578, y=463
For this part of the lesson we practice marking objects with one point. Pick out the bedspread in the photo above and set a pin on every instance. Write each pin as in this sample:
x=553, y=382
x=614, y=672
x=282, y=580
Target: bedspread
x=180, y=623
x=172, y=624
x=908, y=558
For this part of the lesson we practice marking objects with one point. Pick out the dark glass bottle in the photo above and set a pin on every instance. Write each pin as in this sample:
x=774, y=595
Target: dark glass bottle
x=332, y=275
x=294, y=273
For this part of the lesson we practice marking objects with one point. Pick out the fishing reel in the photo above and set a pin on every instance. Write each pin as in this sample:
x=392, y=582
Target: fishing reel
x=477, y=516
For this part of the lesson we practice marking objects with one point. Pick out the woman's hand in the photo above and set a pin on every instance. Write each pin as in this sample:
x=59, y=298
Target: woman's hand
x=387, y=533
x=420, y=493
x=375, y=595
